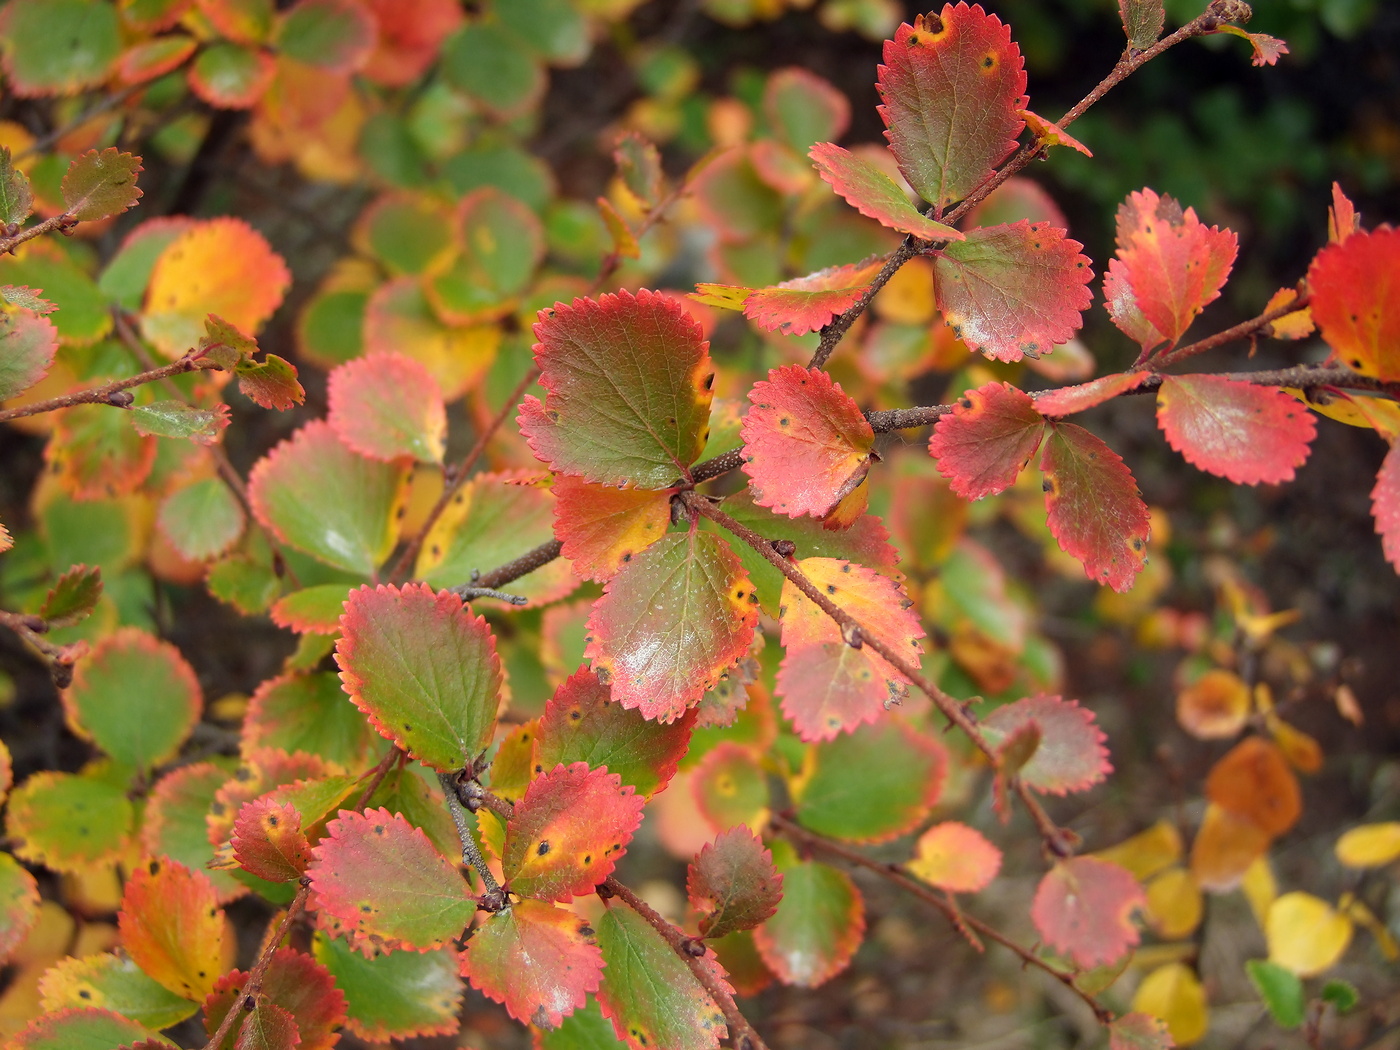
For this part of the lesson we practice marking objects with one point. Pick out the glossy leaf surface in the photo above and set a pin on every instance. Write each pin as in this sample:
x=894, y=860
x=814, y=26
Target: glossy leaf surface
x=394, y=996
x=873, y=193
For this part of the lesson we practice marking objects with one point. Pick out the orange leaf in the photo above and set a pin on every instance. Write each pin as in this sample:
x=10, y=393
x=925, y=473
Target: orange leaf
x=172, y=926
x=1253, y=781
x=1226, y=845
x=1214, y=706
x=956, y=858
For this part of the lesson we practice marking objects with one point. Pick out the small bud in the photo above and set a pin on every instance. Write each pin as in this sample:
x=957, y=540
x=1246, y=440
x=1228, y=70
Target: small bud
x=121, y=398
x=784, y=548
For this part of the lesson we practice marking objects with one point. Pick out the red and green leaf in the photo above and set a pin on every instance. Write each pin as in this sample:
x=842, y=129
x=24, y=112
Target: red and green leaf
x=807, y=304
x=951, y=85
x=1246, y=433
x=73, y=597
x=1083, y=909
x=175, y=822
x=27, y=347
x=111, y=981
x=68, y=822
x=335, y=35
x=582, y=723
x=874, y=194
x=733, y=884
x=57, y=47
x=318, y=496
x=1093, y=506
x=731, y=787
x=870, y=785
x=19, y=905
x=202, y=519
x=649, y=994
x=136, y=697
x=387, y=406
x=538, y=960
x=268, y=841
x=97, y=454
x=1138, y=1031
x=829, y=687
x=231, y=76
x=628, y=380
x=294, y=982
x=987, y=440
x=568, y=832
x=1071, y=755
x=81, y=1029
x=670, y=622
x=424, y=669
x=99, y=184
x=818, y=925
x=1355, y=300
x=271, y=383
x=395, y=996
x=312, y=609
x=378, y=881
x=156, y=57
x=172, y=926
x=1013, y=291
x=603, y=528
x=311, y=713
x=807, y=445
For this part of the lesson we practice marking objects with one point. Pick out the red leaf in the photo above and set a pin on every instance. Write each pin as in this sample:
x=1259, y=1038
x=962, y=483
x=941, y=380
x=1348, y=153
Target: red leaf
x=581, y=723
x=1071, y=755
x=1341, y=218
x=670, y=623
x=1267, y=50
x=387, y=405
x=873, y=193
x=603, y=528
x=270, y=383
x=1093, y=506
x=1171, y=265
x=411, y=33
x=733, y=884
x=1356, y=300
x=379, y=881
x=1385, y=505
x=568, y=832
x=1014, y=290
x=807, y=304
x=806, y=442
x=537, y=959
x=827, y=686
x=629, y=379
x=987, y=440
x=172, y=927
x=296, y=983
x=1246, y=433
x=268, y=841
x=267, y=1027
x=1068, y=400
x=424, y=669
x=1083, y=909
x=956, y=858
x=951, y=86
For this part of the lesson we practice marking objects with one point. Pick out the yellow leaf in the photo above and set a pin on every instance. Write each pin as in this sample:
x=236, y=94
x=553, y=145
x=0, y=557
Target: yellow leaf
x=1370, y=845
x=1366, y=919
x=1295, y=325
x=908, y=296
x=1303, y=752
x=1305, y=934
x=1148, y=852
x=1260, y=888
x=1174, y=994
x=1173, y=903
x=1214, y=706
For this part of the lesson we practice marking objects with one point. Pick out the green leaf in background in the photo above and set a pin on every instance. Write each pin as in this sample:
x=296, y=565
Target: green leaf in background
x=101, y=184
x=56, y=47
x=202, y=519
x=731, y=787
x=230, y=76
x=82, y=316
x=1281, y=990
x=19, y=904
x=135, y=697
x=585, y=1029
x=1341, y=994
x=68, y=822
x=500, y=243
x=818, y=925
x=494, y=67
x=334, y=35
x=112, y=982
x=424, y=669
x=16, y=199
x=394, y=996
x=648, y=993
x=407, y=232
x=554, y=29
x=126, y=275
x=320, y=497
x=174, y=823
x=85, y=1029
x=175, y=419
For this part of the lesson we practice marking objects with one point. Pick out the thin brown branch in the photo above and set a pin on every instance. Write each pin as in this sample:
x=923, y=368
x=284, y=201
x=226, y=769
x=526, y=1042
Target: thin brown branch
x=513, y=570
x=63, y=222
x=495, y=897
x=741, y=1033
x=1058, y=842
x=109, y=393
x=60, y=658
x=392, y=757
x=1243, y=330
x=897, y=875
x=252, y=988
x=460, y=474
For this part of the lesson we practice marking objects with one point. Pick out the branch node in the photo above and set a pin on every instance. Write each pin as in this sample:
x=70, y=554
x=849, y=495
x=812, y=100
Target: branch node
x=121, y=398
x=850, y=634
x=784, y=548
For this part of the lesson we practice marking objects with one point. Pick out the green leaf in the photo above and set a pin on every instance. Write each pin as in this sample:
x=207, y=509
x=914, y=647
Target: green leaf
x=202, y=519
x=56, y=47
x=174, y=823
x=330, y=330
x=554, y=29
x=494, y=67
x=135, y=697
x=68, y=822
x=230, y=76
x=101, y=184
x=424, y=669
x=1341, y=994
x=73, y=597
x=16, y=199
x=394, y=996
x=1142, y=21
x=649, y=994
x=670, y=622
x=19, y=905
x=112, y=982
x=585, y=1029
x=1281, y=990
x=733, y=884
x=871, y=784
x=582, y=724
x=335, y=35
x=175, y=419
x=407, y=232
x=82, y=315
x=731, y=787
x=85, y=1029
x=322, y=498
x=818, y=925
x=629, y=396
x=125, y=277
x=248, y=584
x=315, y=609
x=379, y=881
x=500, y=243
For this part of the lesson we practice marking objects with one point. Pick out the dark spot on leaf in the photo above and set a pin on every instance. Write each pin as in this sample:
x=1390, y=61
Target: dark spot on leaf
x=542, y=849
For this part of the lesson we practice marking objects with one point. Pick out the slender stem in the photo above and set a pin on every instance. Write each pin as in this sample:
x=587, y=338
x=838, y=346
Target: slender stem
x=60, y=658
x=1058, y=842
x=471, y=856
x=741, y=1033
x=899, y=876
x=513, y=570
x=108, y=394
x=54, y=222
x=378, y=773
x=1242, y=330
x=460, y=475
x=252, y=987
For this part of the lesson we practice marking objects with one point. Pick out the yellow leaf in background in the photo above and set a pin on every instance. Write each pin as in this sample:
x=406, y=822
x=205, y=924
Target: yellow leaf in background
x=907, y=298
x=1306, y=934
x=1260, y=889
x=1214, y=706
x=1370, y=845
x=1295, y=325
x=1225, y=846
x=1148, y=852
x=1356, y=410
x=1174, y=994
x=1173, y=904
x=1303, y=752
x=1366, y=919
